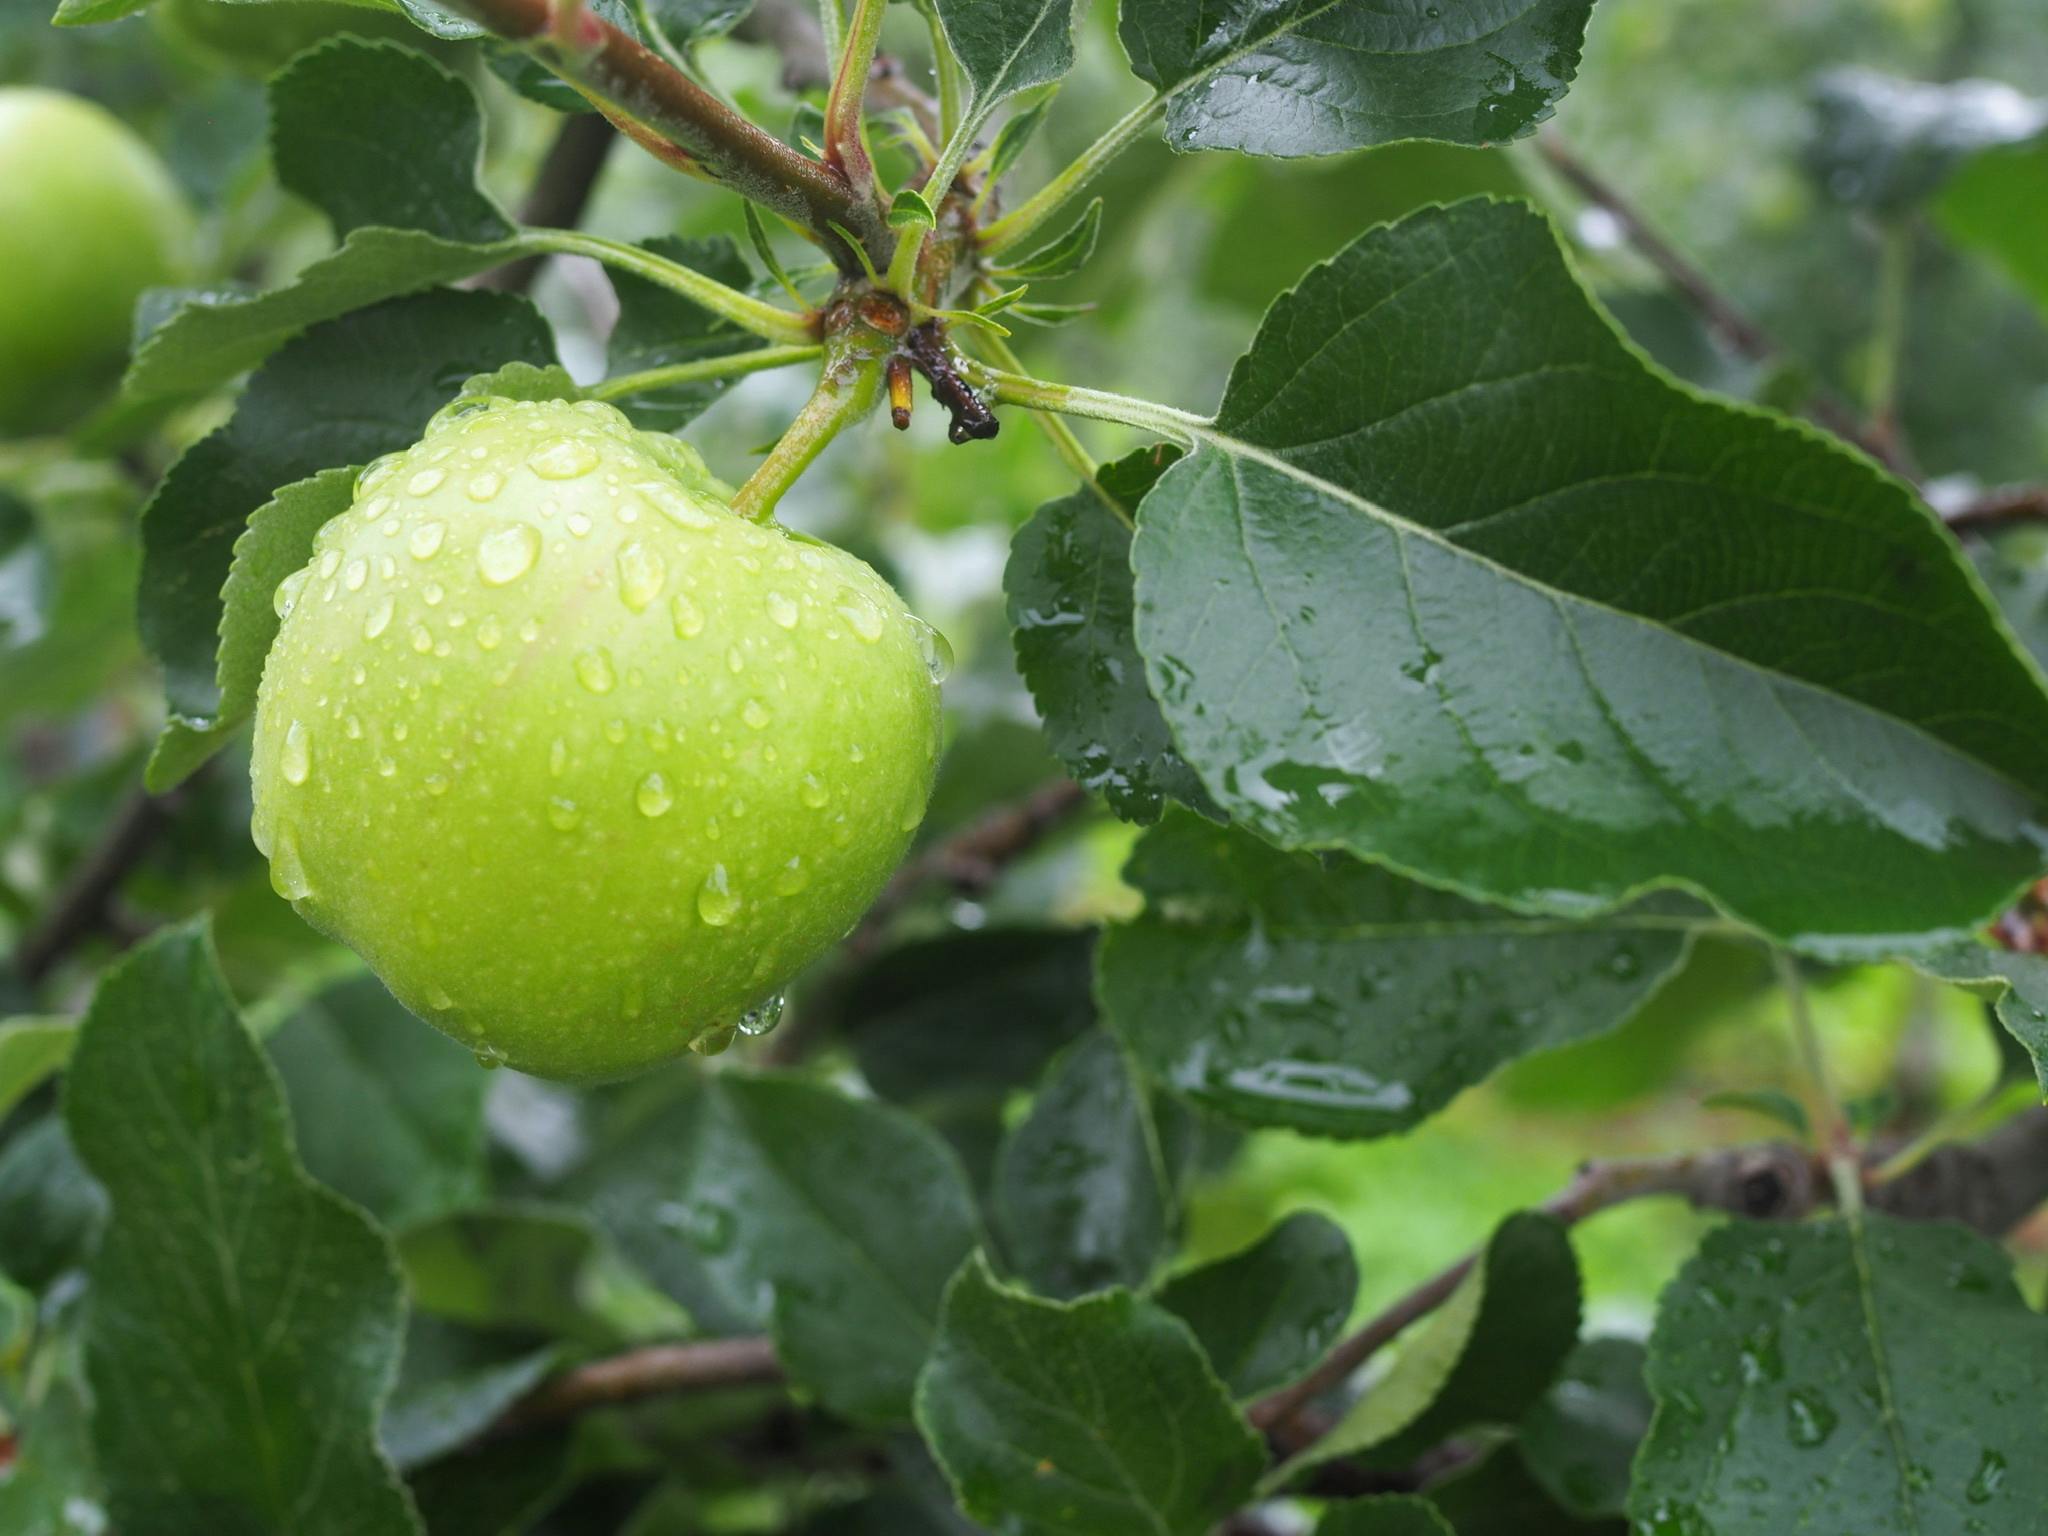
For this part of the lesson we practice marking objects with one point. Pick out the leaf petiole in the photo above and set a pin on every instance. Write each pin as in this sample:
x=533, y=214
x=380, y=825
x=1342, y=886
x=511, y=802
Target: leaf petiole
x=1020, y=221
x=733, y=365
x=770, y=321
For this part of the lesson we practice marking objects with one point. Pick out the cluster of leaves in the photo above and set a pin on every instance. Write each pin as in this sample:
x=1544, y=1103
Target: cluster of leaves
x=1465, y=671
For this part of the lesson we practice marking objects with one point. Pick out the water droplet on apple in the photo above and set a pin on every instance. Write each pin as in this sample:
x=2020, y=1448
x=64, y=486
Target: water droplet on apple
x=812, y=791
x=594, y=670
x=486, y=485
x=563, y=814
x=653, y=796
x=295, y=761
x=642, y=573
x=756, y=714
x=688, y=616
x=426, y=482
x=783, y=609
x=861, y=613
x=426, y=539
x=508, y=554
x=357, y=573
x=379, y=619
x=792, y=878
x=489, y=634
x=762, y=1018
x=286, y=597
x=717, y=902
x=564, y=459
x=287, y=874
x=937, y=653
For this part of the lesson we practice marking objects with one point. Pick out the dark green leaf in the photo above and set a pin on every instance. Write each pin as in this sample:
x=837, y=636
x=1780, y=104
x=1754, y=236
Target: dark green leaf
x=376, y=133
x=1017, y=132
x=1065, y=254
x=1338, y=998
x=1096, y=1418
x=502, y=1488
x=1878, y=1377
x=1997, y=204
x=659, y=328
x=50, y=1208
x=949, y=1028
x=1318, y=78
x=1469, y=589
x=49, y=1488
x=455, y=1383
x=1886, y=143
x=506, y=1267
x=1068, y=586
x=1484, y=1357
x=1006, y=46
x=1266, y=1315
x=216, y=336
x=31, y=1051
x=1084, y=1196
x=2015, y=568
x=909, y=210
x=833, y=1221
x=1580, y=1437
x=277, y=540
x=2015, y=985
x=225, y=1276
x=389, y=1113
x=1499, y=1497
x=344, y=393
x=1390, y=1516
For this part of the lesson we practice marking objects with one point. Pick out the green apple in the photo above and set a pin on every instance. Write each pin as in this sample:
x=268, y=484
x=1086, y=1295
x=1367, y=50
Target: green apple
x=89, y=217
x=583, y=764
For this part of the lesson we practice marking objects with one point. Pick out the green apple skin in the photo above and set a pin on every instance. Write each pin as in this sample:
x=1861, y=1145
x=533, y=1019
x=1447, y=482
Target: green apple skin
x=89, y=218
x=583, y=764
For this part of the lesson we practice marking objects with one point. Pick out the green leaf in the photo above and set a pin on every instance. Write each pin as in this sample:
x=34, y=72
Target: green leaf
x=903, y=1011
x=659, y=328
x=1579, y=1439
x=1064, y=254
x=1095, y=1418
x=1997, y=205
x=1017, y=132
x=1484, y=1357
x=50, y=1488
x=1497, y=1496
x=1875, y=1377
x=31, y=1051
x=1319, y=78
x=1007, y=46
x=2015, y=568
x=344, y=393
x=225, y=1276
x=215, y=336
x=454, y=1384
x=1264, y=1316
x=909, y=210
x=1392, y=1515
x=1337, y=998
x=2015, y=985
x=1068, y=589
x=277, y=540
x=1084, y=1195
x=389, y=1113
x=832, y=1221
x=375, y=133
x=1051, y=316
x=502, y=1488
x=1885, y=143
x=1771, y=1103
x=526, y=381
x=50, y=1208
x=1468, y=588
x=522, y=1267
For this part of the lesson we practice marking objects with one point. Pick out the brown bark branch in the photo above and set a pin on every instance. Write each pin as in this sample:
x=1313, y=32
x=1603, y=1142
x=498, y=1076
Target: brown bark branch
x=1722, y=315
x=1997, y=508
x=80, y=908
x=700, y=1366
x=1990, y=1185
x=729, y=149
x=561, y=191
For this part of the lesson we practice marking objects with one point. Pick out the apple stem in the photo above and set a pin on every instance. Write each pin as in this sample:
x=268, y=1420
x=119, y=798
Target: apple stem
x=846, y=392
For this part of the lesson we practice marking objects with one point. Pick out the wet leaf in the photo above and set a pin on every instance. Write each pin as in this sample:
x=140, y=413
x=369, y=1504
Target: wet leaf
x=1469, y=589
x=282, y=1299
x=1393, y=1515
x=1320, y=78
x=1007, y=46
x=1579, y=1439
x=1338, y=998
x=1264, y=1316
x=1097, y=1417
x=1875, y=1377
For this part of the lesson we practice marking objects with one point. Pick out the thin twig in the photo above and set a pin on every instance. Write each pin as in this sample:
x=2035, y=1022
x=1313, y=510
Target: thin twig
x=971, y=859
x=1999, y=507
x=652, y=1371
x=561, y=191
x=1990, y=1185
x=81, y=905
x=1722, y=315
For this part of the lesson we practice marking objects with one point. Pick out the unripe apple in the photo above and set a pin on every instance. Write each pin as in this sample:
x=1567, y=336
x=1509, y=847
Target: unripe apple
x=89, y=218
x=585, y=765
